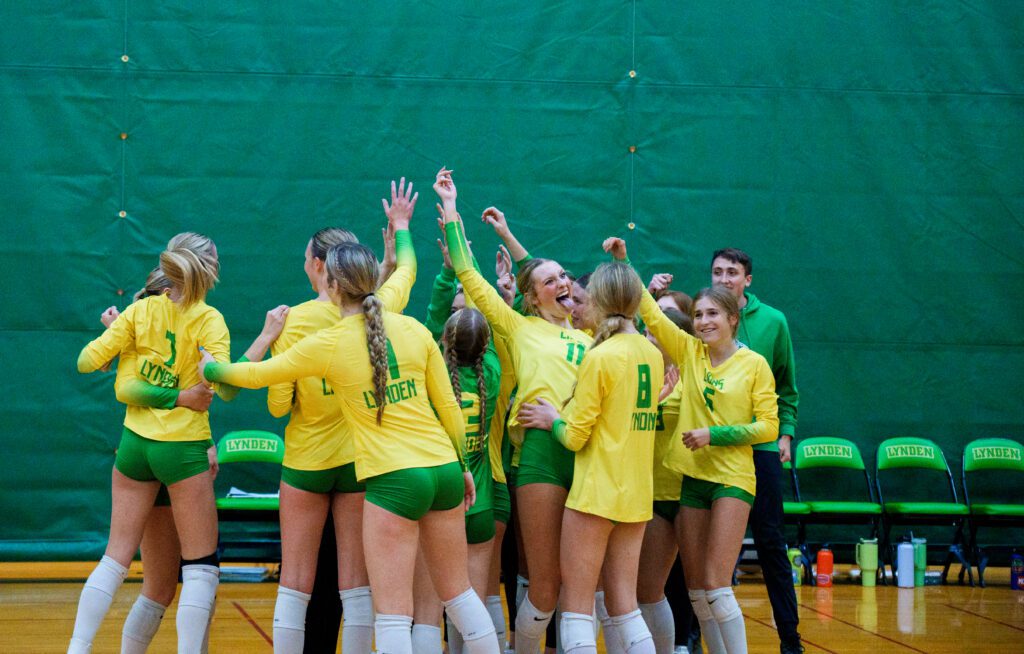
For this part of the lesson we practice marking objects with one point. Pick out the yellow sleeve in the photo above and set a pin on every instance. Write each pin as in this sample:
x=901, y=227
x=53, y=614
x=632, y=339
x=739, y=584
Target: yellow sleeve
x=502, y=318
x=394, y=293
x=442, y=397
x=280, y=397
x=310, y=357
x=585, y=406
x=679, y=345
x=115, y=338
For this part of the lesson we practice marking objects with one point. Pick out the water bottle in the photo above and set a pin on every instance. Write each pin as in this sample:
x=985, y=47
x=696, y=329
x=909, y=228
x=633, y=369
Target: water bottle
x=824, y=571
x=920, y=560
x=905, y=565
x=795, y=563
x=1017, y=571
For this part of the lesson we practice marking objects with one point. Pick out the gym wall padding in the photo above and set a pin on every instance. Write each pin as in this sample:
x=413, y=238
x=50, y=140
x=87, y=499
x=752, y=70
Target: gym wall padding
x=869, y=156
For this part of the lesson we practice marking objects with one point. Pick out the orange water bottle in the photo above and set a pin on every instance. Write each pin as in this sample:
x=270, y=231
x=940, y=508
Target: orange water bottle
x=824, y=571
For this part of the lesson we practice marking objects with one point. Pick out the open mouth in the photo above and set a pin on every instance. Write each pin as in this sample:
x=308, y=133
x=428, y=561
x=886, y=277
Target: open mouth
x=566, y=301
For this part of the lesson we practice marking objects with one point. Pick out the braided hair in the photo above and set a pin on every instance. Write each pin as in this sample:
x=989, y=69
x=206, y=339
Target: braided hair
x=466, y=336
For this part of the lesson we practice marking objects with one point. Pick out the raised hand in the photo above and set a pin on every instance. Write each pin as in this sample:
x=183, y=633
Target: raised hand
x=496, y=219
x=671, y=379
x=442, y=243
x=109, y=316
x=659, y=283
x=445, y=187
x=390, y=261
x=616, y=247
x=403, y=201
x=502, y=262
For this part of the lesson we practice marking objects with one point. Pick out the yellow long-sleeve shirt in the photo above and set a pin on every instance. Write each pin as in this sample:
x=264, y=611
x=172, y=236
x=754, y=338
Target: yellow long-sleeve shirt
x=610, y=424
x=166, y=339
x=316, y=436
x=667, y=483
x=736, y=399
x=411, y=434
x=545, y=357
x=508, y=382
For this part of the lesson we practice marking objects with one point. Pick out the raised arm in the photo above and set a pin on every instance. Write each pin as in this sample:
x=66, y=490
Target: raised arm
x=501, y=317
x=394, y=293
x=496, y=219
x=115, y=338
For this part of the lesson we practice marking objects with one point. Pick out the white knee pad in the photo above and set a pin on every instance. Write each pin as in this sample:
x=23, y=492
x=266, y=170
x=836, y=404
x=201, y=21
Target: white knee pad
x=290, y=609
x=661, y=623
x=576, y=633
x=531, y=622
x=357, y=606
x=632, y=632
x=497, y=613
x=393, y=634
x=199, y=586
x=723, y=604
x=699, y=601
x=471, y=618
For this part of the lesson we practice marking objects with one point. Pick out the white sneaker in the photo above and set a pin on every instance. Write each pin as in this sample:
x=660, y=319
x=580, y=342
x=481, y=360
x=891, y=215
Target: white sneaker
x=681, y=649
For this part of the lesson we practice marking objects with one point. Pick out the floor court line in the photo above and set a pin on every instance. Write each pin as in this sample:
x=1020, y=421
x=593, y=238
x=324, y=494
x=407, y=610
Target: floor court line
x=860, y=628
x=984, y=617
x=802, y=639
x=255, y=626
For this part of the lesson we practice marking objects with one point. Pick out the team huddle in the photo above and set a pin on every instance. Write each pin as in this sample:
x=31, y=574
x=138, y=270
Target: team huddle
x=616, y=425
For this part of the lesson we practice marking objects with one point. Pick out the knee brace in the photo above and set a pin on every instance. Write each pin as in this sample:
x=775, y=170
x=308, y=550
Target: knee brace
x=576, y=632
x=210, y=559
x=470, y=617
x=199, y=585
x=723, y=604
x=631, y=630
x=699, y=601
x=532, y=622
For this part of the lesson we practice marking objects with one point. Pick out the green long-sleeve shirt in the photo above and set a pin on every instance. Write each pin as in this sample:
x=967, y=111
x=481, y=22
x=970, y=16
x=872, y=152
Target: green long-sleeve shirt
x=764, y=330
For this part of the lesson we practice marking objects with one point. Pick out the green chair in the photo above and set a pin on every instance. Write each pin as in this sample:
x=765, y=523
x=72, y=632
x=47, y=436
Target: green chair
x=915, y=487
x=993, y=478
x=834, y=484
x=259, y=542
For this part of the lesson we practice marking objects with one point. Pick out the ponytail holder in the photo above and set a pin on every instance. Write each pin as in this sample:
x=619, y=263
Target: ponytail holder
x=368, y=295
x=618, y=315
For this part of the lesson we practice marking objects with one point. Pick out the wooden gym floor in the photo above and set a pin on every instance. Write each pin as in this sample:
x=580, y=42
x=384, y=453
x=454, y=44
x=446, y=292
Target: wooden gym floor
x=38, y=603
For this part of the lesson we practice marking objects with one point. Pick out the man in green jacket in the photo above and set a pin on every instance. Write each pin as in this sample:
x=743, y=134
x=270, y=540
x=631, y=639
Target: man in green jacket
x=764, y=330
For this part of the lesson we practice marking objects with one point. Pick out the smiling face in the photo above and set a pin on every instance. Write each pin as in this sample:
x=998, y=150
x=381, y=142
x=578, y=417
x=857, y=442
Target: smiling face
x=551, y=291
x=730, y=275
x=712, y=323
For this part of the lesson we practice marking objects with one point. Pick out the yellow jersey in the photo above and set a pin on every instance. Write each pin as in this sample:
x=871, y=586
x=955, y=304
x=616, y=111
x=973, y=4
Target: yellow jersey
x=667, y=483
x=166, y=340
x=735, y=399
x=508, y=382
x=411, y=434
x=610, y=424
x=545, y=357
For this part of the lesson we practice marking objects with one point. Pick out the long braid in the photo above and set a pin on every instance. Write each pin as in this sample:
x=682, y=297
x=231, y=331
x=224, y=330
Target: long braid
x=451, y=360
x=481, y=390
x=377, y=343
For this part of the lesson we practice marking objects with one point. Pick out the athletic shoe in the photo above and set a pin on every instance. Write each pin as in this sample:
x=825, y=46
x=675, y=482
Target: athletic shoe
x=792, y=647
x=681, y=649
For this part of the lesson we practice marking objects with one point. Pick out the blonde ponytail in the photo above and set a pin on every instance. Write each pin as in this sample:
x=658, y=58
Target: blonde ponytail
x=190, y=263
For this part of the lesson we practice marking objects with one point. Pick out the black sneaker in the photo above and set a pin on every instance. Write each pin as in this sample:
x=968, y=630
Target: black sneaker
x=791, y=647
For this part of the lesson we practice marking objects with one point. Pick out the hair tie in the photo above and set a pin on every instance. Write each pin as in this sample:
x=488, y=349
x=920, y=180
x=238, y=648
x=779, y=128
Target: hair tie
x=618, y=315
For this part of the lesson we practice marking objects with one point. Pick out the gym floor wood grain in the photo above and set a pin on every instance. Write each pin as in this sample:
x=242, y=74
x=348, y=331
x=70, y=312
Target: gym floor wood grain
x=38, y=603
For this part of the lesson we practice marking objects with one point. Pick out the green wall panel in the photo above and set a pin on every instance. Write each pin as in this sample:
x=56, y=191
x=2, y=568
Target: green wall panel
x=870, y=157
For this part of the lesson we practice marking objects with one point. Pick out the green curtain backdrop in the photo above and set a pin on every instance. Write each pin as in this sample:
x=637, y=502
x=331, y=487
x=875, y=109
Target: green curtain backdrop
x=870, y=157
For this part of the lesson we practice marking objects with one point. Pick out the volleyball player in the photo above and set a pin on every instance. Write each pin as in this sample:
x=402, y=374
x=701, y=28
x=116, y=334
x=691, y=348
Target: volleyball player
x=724, y=385
x=610, y=424
x=318, y=475
x=391, y=381
x=546, y=352
x=163, y=446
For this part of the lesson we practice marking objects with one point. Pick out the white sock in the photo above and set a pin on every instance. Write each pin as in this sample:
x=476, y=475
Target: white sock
x=708, y=626
x=357, y=612
x=497, y=617
x=531, y=623
x=632, y=633
x=141, y=625
x=473, y=622
x=426, y=639
x=604, y=621
x=729, y=617
x=393, y=634
x=94, y=602
x=662, y=625
x=290, y=621
x=198, y=591
x=454, y=637
x=576, y=633
x=209, y=625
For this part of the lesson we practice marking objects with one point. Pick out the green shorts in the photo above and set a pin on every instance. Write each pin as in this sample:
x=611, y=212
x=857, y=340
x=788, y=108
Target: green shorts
x=479, y=526
x=667, y=509
x=544, y=461
x=340, y=479
x=411, y=492
x=502, y=502
x=700, y=494
x=145, y=459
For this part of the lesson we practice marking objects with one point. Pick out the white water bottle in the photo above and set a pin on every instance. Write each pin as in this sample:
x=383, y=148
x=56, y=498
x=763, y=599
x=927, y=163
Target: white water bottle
x=905, y=565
